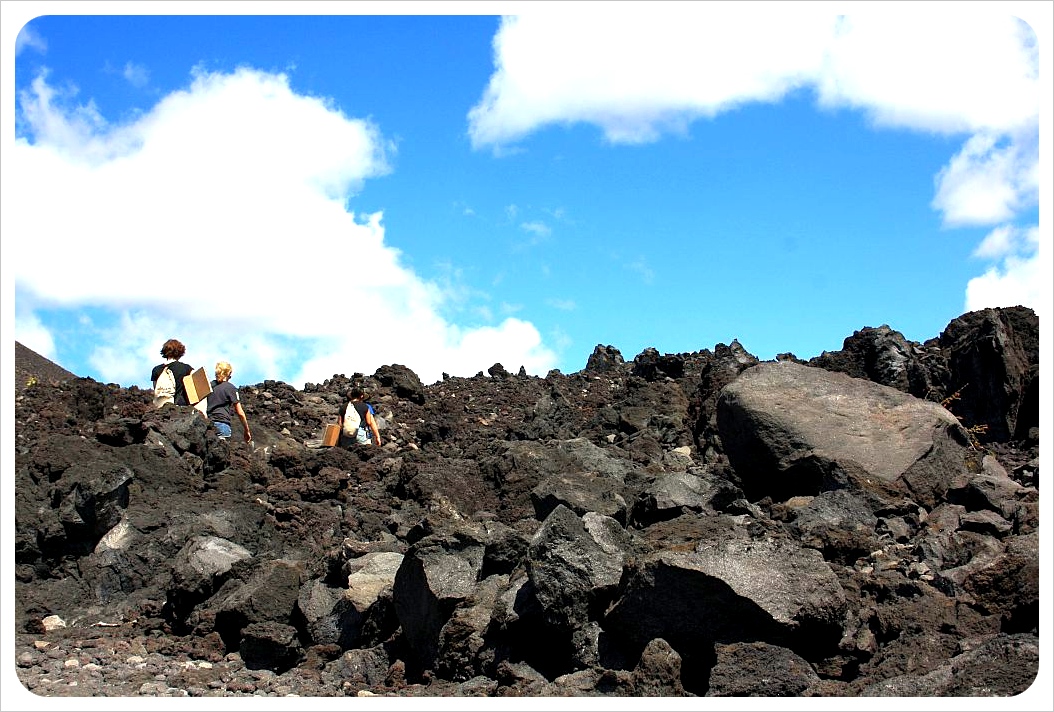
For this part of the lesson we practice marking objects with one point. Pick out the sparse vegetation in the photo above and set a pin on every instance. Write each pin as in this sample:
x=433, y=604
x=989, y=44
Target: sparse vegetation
x=973, y=431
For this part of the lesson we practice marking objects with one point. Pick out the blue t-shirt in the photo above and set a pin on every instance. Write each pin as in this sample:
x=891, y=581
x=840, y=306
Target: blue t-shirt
x=221, y=401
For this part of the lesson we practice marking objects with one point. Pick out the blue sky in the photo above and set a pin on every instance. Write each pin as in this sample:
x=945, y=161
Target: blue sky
x=454, y=190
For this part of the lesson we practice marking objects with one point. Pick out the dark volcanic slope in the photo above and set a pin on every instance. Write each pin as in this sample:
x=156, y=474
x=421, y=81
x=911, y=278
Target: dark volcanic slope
x=701, y=524
x=29, y=365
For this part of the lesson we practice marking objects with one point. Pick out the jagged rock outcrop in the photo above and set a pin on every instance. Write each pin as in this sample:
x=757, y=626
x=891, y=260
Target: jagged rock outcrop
x=996, y=382
x=983, y=365
x=678, y=524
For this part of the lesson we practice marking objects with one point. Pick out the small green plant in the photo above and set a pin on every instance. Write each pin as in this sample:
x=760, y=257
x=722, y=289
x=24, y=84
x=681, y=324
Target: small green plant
x=31, y=381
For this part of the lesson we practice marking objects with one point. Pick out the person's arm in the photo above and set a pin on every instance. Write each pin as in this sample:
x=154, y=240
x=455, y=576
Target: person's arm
x=372, y=423
x=245, y=421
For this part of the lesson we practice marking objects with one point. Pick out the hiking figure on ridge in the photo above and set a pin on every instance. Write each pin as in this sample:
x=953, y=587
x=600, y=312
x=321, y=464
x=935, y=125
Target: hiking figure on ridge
x=357, y=421
x=168, y=377
x=219, y=402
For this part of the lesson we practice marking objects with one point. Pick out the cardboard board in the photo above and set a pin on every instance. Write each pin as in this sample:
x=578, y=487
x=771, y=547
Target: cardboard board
x=197, y=385
x=332, y=435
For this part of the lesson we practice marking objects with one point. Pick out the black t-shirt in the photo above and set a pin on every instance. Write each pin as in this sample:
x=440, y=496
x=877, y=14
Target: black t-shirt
x=362, y=407
x=179, y=370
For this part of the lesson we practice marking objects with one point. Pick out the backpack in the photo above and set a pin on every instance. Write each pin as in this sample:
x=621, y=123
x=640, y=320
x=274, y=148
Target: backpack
x=165, y=388
x=352, y=420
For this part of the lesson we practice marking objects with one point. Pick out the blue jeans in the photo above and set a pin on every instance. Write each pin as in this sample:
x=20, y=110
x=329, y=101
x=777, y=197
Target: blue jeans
x=223, y=430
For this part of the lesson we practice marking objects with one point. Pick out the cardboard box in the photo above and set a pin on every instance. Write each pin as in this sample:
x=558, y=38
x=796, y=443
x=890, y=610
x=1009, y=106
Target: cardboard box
x=197, y=385
x=332, y=435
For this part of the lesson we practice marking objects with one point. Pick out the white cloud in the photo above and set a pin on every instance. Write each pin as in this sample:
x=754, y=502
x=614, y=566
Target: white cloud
x=637, y=70
x=32, y=334
x=948, y=70
x=1002, y=241
x=28, y=38
x=136, y=74
x=988, y=182
x=72, y=131
x=640, y=70
x=562, y=304
x=1020, y=281
x=1021, y=277
x=537, y=228
x=241, y=185
x=996, y=243
x=538, y=232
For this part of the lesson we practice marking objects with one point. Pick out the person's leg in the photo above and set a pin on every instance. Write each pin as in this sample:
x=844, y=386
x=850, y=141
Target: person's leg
x=223, y=430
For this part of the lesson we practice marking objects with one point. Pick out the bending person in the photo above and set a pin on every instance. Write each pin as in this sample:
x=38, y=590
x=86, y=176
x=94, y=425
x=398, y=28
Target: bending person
x=222, y=400
x=357, y=421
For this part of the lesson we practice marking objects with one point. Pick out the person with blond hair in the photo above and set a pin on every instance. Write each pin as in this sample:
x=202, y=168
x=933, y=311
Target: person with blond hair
x=223, y=399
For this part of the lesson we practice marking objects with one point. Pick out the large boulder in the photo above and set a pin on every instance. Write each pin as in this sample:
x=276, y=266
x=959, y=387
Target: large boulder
x=269, y=596
x=792, y=430
x=91, y=498
x=572, y=572
x=518, y=467
x=580, y=492
x=759, y=670
x=839, y=523
x=439, y=572
x=604, y=358
x=729, y=585
x=462, y=647
x=672, y=494
x=403, y=381
x=199, y=569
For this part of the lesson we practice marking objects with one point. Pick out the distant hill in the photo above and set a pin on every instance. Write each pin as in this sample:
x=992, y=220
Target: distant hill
x=31, y=365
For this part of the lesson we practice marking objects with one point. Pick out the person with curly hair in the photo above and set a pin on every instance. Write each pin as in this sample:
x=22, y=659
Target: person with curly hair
x=170, y=389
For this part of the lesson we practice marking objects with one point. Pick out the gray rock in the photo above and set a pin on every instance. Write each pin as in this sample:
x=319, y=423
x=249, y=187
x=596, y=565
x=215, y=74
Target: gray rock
x=436, y=574
x=462, y=639
x=580, y=492
x=728, y=590
x=792, y=430
x=999, y=667
x=269, y=596
x=569, y=570
x=270, y=646
x=676, y=493
x=759, y=670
